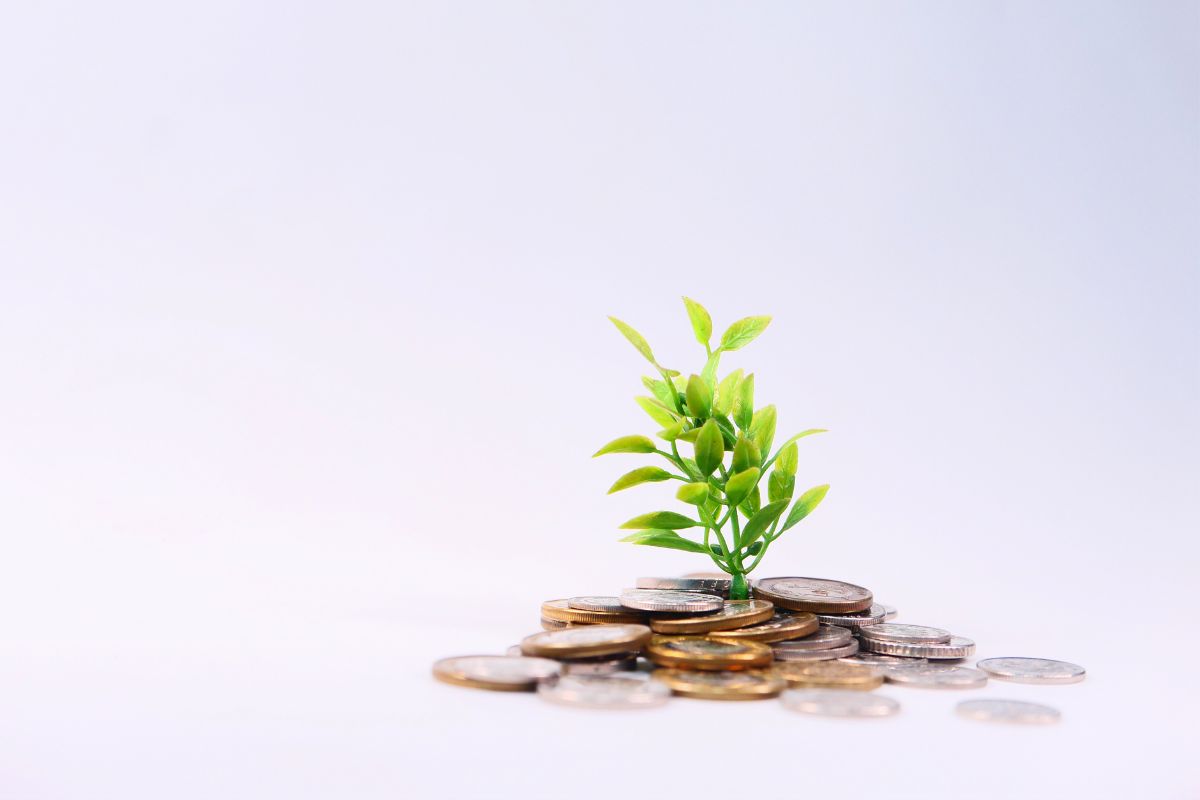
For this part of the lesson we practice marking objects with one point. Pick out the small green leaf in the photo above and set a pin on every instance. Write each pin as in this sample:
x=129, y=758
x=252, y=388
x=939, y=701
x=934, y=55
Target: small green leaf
x=635, y=339
x=780, y=486
x=710, y=370
x=717, y=549
x=701, y=321
x=668, y=539
x=755, y=548
x=661, y=519
x=661, y=392
x=640, y=475
x=745, y=455
x=739, y=486
x=727, y=432
x=689, y=435
x=762, y=428
x=805, y=505
x=699, y=397
x=680, y=382
x=750, y=505
x=800, y=435
x=693, y=493
x=787, y=459
x=691, y=469
x=761, y=520
x=744, y=331
x=727, y=393
x=743, y=407
x=658, y=412
x=672, y=432
x=627, y=444
x=710, y=448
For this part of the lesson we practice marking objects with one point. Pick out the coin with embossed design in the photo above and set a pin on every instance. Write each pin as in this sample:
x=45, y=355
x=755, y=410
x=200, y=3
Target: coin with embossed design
x=829, y=674
x=500, y=673
x=747, y=684
x=695, y=652
x=605, y=691
x=998, y=710
x=861, y=619
x=880, y=659
x=667, y=600
x=957, y=647
x=735, y=614
x=781, y=627
x=936, y=676
x=818, y=595
x=1032, y=670
x=824, y=638
x=586, y=640
x=705, y=583
x=563, y=611
x=839, y=703
x=782, y=652
x=595, y=602
x=893, y=632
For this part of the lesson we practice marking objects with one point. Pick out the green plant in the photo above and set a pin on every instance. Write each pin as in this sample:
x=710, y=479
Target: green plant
x=731, y=457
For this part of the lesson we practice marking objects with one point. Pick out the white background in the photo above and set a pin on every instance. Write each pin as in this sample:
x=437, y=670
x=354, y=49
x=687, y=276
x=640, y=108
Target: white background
x=305, y=355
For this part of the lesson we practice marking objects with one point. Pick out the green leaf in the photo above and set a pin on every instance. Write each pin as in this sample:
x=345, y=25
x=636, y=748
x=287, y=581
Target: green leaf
x=739, y=486
x=745, y=455
x=727, y=431
x=743, y=407
x=693, y=493
x=672, y=432
x=727, y=393
x=661, y=519
x=689, y=435
x=699, y=397
x=710, y=448
x=800, y=435
x=701, y=321
x=750, y=505
x=780, y=486
x=661, y=392
x=709, y=372
x=743, y=332
x=805, y=505
x=787, y=459
x=755, y=548
x=668, y=539
x=658, y=412
x=691, y=469
x=761, y=520
x=627, y=444
x=640, y=475
x=635, y=339
x=762, y=428
x=717, y=549
x=680, y=383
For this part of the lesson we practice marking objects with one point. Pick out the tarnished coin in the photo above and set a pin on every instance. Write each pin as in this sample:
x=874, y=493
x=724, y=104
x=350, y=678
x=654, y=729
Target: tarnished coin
x=705, y=583
x=879, y=659
x=957, y=647
x=593, y=602
x=826, y=637
x=1008, y=711
x=782, y=652
x=829, y=674
x=748, y=684
x=562, y=611
x=500, y=673
x=605, y=691
x=889, y=612
x=586, y=640
x=667, y=600
x=779, y=628
x=872, y=616
x=936, y=676
x=915, y=634
x=599, y=665
x=818, y=595
x=839, y=703
x=1032, y=670
x=734, y=614
x=695, y=652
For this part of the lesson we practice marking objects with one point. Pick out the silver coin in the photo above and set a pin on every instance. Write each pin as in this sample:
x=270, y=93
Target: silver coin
x=596, y=603
x=828, y=654
x=957, y=647
x=717, y=586
x=555, y=624
x=823, y=638
x=872, y=616
x=600, y=665
x=885, y=661
x=916, y=634
x=668, y=600
x=495, y=672
x=605, y=691
x=1032, y=670
x=839, y=703
x=936, y=676
x=889, y=612
x=1008, y=711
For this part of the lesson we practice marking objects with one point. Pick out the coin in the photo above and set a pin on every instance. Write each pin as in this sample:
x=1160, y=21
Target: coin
x=778, y=628
x=818, y=595
x=957, y=647
x=936, y=676
x=748, y=684
x=667, y=600
x=914, y=634
x=561, y=611
x=694, y=652
x=872, y=616
x=605, y=691
x=1032, y=670
x=704, y=582
x=598, y=603
x=598, y=665
x=554, y=624
x=826, y=637
x=885, y=661
x=718, y=575
x=1008, y=711
x=783, y=653
x=734, y=614
x=839, y=703
x=501, y=673
x=829, y=674
x=889, y=612
x=586, y=640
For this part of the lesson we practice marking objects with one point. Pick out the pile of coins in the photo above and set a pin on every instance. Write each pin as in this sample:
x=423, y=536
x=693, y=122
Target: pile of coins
x=821, y=644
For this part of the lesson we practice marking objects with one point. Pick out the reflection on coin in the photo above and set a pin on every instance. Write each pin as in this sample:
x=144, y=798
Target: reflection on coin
x=889, y=612
x=502, y=673
x=779, y=628
x=593, y=602
x=819, y=595
x=605, y=691
x=891, y=632
x=562, y=611
x=829, y=674
x=885, y=661
x=750, y=684
x=667, y=600
x=734, y=614
x=586, y=640
x=936, y=676
x=784, y=653
x=872, y=616
x=705, y=583
x=694, y=652
x=1032, y=670
x=1008, y=711
x=957, y=647
x=826, y=637
x=839, y=703
x=599, y=665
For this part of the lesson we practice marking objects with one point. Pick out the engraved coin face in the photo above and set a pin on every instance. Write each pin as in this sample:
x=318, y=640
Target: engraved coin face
x=818, y=595
x=780, y=627
x=892, y=632
x=829, y=674
x=605, y=691
x=783, y=653
x=694, y=652
x=750, y=684
x=597, y=603
x=703, y=582
x=936, y=676
x=872, y=616
x=957, y=647
x=734, y=614
x=1032, y=670
x=703, y=647
x=826, y=637
x=563, y=611
x=586, y=640
x=504, y=673
x=839, y=703
x=1008, y=711
x=667, y=600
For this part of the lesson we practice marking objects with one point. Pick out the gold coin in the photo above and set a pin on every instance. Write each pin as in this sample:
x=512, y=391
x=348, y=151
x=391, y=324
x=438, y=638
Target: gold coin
x=500, y=673
x=747, y=684
x=735, y=614
x=586, y=640
x=778, y=628
x=695, y=652
x=829, y=674
x=555, y=625
x=561, y=611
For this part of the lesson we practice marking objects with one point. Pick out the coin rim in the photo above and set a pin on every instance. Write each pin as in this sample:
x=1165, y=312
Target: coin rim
x=714, y=621
x=461, y=679
x=809, y=621
x=757, y=655
x=816, y=606
x=630, y=644
x=1033, y=681
x=768, y=690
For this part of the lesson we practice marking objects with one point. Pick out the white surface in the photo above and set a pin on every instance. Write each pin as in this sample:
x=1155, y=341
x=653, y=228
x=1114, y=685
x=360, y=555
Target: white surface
x=306, y=353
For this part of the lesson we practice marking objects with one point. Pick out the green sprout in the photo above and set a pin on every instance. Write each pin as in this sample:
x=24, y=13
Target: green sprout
x=731, y=457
